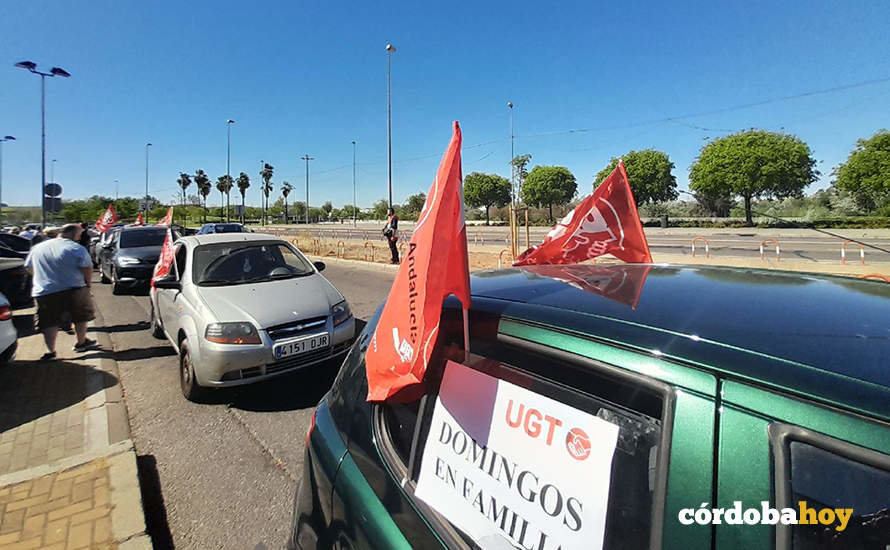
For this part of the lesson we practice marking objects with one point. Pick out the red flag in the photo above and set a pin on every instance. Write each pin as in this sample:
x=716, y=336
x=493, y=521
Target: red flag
x=165, y=260
x=107, y=219
x=168, y=219
x=606, y=222
x=139, y=220
x=435, y=265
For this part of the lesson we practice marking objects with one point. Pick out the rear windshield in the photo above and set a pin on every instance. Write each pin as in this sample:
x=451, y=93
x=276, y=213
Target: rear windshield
x=143, y=237
x=223, y=228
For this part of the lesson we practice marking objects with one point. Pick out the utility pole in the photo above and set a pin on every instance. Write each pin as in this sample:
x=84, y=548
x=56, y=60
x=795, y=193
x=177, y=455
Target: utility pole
x=7, y=138
x=354, y=211
x=229, y=123
x=262, y=194
x=307, y=158
x=116, y=182
x=389, y=51
x=514, y=220
x=147, y=145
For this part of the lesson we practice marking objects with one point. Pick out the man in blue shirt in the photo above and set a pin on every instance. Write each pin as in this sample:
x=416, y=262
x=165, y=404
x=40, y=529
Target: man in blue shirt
x=62, y=273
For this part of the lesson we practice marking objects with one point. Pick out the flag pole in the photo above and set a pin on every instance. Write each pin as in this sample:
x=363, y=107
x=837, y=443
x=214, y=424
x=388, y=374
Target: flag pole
x=466, y=334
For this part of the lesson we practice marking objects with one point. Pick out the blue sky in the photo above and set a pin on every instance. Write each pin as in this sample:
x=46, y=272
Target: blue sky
x=310, y=77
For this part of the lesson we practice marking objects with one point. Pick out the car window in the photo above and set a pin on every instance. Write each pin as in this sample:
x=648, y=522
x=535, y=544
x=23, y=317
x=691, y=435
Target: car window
x=637, y=411
x=179, y=259
x=238, y=263
x=143, y=237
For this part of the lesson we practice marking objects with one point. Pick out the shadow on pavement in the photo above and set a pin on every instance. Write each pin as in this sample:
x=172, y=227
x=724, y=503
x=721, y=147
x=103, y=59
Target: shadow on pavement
x=289, y=392
x=153, y=503
x=24, y=324
x=134, y=327
x=32, y=389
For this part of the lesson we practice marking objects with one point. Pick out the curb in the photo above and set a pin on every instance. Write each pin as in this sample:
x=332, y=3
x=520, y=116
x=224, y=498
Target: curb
x=353, y=263
x=106, y=419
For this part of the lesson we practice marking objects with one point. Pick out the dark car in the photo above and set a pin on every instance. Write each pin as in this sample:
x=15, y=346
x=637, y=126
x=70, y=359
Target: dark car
x=210, y=228
x=127, y=259
x=15, y=282
x=720, y=387
x=13, y=246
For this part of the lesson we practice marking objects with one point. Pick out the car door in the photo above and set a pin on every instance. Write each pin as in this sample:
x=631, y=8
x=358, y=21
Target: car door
x=170, y=299
x=106, y=255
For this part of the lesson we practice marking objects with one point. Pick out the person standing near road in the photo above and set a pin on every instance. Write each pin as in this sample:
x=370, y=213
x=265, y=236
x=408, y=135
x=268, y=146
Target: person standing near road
x=391, y=234
x=62, y=273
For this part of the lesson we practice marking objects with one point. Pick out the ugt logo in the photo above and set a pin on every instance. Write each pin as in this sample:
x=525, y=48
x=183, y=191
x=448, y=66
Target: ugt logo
x=578, y=444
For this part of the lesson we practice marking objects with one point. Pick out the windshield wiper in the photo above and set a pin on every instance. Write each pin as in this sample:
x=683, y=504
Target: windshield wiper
x=216, y=282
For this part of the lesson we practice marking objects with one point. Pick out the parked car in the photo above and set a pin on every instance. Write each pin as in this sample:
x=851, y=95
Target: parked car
x=243, y=307
x=13, y=246
x=128, y=257
x=722, y=384
x=97, y=242
x=15, y=282
x=211, y=228
x=8, y=334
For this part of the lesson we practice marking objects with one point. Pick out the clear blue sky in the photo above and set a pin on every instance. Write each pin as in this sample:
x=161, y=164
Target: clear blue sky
x=309, y=77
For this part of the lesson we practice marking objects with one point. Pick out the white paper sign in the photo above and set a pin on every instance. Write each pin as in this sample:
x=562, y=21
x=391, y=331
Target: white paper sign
x=511, y=467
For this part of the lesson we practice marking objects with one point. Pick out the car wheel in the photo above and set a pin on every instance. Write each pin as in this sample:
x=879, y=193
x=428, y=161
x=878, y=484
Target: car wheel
x=105, y=280
x=115, y=286
x=190, y=388
x=156, y=329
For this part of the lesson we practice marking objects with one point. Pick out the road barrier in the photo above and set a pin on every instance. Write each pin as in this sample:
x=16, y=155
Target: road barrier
x=369, y=244
x=844, y=252
x=341, y=249
x=477, y=238
x=884, y=278
x=501, y=256
x=316, y=246
x=402, y=245
x=707, y=246
x=778, y=250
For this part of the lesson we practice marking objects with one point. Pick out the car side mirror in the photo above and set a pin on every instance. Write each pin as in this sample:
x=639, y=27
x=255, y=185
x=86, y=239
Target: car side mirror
x=319, y=265
x=168, y=283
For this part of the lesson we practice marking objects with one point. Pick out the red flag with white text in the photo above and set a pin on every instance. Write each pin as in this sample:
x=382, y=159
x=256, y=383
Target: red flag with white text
x=139, y=220
x=107, y=220
x=168, y=219
x=165, y=260
x=435, y=266
x=606, y=222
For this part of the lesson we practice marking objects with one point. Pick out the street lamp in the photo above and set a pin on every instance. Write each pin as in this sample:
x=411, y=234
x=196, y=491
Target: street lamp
x=116, y=182
x=145, y=204
x=389, y=51
x=307, y=158
x=354, y=218
x=5, y=138
x=229, y=123
x=512, y=170
x=55, y=71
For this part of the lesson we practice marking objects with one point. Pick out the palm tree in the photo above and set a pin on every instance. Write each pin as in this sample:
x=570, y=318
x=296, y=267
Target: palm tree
x=266, y=174
x=243, y=184
x=223, y=185
x=184, y=181
x=204, y=188
x=286, y=188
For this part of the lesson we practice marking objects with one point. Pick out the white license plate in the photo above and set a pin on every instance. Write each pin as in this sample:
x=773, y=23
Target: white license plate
x=296, y=347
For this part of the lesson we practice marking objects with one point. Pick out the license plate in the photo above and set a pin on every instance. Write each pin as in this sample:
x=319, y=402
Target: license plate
x=296, y=347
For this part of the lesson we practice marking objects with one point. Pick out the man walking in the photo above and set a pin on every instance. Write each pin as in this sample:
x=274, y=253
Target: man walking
x=62, y=273
x=391, y=233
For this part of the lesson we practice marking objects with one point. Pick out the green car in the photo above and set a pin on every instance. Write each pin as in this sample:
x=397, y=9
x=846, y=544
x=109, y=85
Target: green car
x=730, y=409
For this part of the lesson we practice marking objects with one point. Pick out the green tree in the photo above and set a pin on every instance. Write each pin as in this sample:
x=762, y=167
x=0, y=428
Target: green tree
x=224, y=184
x=519, y=164
x=486, y=190
x=380, y=207
x=243, y=183
x=649, y=174
x=266, y=174
x=202, y=181
x=414, y=205
x=286, y=188
x=327, y=208
x=549, y=185
x=753, y=164
x=184, y=181
x=299, y=210
x=866, y=173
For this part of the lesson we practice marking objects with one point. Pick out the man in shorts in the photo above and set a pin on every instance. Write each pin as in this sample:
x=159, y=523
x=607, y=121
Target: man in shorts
x=62, y=273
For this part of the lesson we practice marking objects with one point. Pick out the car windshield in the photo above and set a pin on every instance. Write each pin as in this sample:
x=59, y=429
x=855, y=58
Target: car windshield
x=239, y=263
x=143, y=237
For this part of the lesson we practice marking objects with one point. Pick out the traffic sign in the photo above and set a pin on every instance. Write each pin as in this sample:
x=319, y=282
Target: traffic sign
x=52, y=205
x=146, y=204
x=239, y=209
x=52, y=190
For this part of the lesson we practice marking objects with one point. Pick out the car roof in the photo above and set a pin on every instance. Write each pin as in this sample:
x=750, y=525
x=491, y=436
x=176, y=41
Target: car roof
x=129, y=228
x=819, y=335
x=215, y=238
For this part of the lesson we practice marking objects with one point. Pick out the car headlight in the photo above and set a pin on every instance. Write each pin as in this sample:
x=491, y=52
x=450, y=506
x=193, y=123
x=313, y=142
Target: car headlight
x=341, y=313
x=127, y=260
x=232, y=333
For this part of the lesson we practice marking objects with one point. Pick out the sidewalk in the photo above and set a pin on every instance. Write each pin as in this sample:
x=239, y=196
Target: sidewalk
x=68, y=476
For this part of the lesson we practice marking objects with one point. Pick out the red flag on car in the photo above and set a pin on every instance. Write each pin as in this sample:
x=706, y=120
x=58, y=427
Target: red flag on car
x=107, y=219
x=622, y=283
x=435, y=265
x=606, y=222
x=168, y=219
x=139, y=220
x=165, y=260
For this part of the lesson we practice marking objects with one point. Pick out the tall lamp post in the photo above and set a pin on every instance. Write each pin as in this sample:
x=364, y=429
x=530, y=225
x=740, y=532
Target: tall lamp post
x=354, y=212
x=514, y=219
x=229, y=123
x=389, y=51
x=5, y=138
x=55, y=71
x=145, y=204
x=52, y=171
x=307, y=158
x=116, y=183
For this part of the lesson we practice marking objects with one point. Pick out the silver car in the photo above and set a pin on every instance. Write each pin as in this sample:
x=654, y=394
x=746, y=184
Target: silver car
x=243, y=307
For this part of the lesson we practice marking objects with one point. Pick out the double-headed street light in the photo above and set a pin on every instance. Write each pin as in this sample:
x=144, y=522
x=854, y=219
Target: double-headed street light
x=229, y=123
x=354, y=223
x=55, y=71
x=5, y=138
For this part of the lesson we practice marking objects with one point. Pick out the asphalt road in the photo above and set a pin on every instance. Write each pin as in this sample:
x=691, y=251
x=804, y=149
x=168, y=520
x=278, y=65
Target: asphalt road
x=224, y=474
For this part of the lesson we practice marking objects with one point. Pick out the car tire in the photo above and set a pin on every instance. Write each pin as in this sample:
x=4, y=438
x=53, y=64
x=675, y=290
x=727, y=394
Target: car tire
x=115, y=286
x=156, y=329
x=105, y=280
x=191, y=390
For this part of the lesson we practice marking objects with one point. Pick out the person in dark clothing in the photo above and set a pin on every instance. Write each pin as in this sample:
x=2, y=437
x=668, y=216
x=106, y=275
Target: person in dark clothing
x=391, y=234
x=84, y=237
